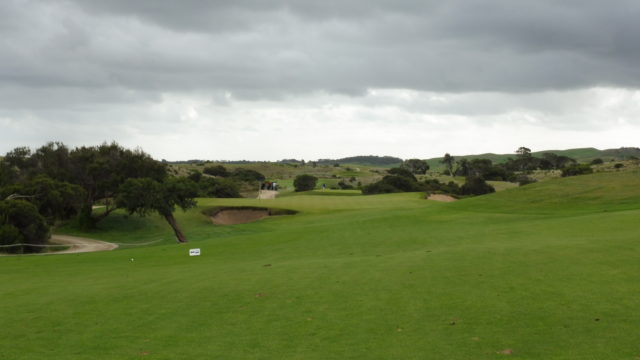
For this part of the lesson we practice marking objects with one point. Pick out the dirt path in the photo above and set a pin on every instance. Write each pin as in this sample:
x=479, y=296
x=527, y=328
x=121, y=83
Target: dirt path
x=267, y=194
x=80, y=245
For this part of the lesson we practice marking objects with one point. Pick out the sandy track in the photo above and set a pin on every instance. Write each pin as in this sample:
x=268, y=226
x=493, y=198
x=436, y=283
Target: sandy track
x=80, y=245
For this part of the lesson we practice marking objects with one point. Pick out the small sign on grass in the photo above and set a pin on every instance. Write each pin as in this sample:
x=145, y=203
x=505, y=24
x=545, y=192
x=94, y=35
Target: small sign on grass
x=194, y=252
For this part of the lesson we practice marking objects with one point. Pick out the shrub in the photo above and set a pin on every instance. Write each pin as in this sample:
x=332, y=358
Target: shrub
x=217, y=170
x=597, y=161
x=433, y=185
x=195, y=176
x=475, y=185
x=247, y=175
x=401, y=183
x=344, y=186
x=378, y=188
x=618, y=166
x=219, y=188
x=576, y=169
x=402, y=172
x=305, y=182
x=523, y=179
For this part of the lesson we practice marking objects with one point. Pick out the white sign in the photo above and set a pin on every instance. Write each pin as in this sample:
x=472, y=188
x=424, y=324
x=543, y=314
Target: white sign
x=194, y=252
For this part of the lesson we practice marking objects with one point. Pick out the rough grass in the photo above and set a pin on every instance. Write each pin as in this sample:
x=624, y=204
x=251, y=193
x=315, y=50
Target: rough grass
x=542, y=270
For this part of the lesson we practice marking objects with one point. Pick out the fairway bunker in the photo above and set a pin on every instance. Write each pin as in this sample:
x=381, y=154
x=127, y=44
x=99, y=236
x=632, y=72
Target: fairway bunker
x=441, y=197
x=232, y=215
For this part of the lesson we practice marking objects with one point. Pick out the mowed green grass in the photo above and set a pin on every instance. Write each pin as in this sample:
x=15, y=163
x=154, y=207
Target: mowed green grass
x=548, y=270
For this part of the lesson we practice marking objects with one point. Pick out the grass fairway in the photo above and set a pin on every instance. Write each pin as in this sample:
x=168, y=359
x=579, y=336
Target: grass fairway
x=545, y=271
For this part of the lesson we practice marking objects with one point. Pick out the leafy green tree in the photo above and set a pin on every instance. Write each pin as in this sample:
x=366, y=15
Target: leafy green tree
x=448, y=161
x=523, y=152
x=101, y=170
x=416, y=166
x=556, y=161
x=305, y=182
x=8, y=174
x=20, y=223
x=55, y=200
x=145, y=195
x=463, y=168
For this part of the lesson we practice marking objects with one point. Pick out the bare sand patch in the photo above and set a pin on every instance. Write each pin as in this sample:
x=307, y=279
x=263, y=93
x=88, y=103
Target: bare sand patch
x=239, y=216
x=441, y=197
x=267, y=194
x=230, y=215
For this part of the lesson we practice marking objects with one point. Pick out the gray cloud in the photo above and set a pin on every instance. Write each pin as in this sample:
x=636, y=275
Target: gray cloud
x=269, y=49
x=224, y=71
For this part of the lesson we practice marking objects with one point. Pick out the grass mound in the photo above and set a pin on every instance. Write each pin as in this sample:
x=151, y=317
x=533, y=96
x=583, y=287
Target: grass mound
x=599, y=192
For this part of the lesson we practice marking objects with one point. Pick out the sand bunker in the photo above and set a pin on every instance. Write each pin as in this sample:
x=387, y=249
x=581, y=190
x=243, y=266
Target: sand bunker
x=231, y=217
x=440, y=197
x=242, y=215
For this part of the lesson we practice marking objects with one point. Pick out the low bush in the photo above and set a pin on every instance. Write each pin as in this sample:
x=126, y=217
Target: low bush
x=305, y=182
x=576, y=169
x=217, y=170
x=218, y=188
x=247, y=175
x=475, y=185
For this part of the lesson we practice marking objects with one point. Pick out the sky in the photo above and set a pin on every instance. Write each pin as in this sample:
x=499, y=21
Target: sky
x=268, y=80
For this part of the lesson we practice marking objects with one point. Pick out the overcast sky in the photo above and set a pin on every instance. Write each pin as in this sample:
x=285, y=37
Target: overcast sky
x=266, y=80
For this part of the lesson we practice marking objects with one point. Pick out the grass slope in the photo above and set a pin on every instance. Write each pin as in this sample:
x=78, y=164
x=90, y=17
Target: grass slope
x=584, y=155
x=350, y=277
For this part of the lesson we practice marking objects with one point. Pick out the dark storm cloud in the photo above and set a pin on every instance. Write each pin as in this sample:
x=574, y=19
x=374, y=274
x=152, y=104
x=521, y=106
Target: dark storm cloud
x=74, y=52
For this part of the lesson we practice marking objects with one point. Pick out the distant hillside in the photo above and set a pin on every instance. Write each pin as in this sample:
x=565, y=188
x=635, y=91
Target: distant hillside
x=370, y=160
x=581, y=155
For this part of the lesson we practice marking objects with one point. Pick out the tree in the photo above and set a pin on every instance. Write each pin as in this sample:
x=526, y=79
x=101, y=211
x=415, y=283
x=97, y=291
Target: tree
x=463, y=168
x=217, y=170
x=475, y=185
x=55, y=200
x=146, y=195
x=416, y=166
x=305, y=182
x=523, y=152
x=448, y=161
x=20, y=223
x=101, y=170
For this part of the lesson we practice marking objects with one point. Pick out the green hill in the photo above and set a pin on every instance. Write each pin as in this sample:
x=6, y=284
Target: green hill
x=536, y=272
x=581, y=155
